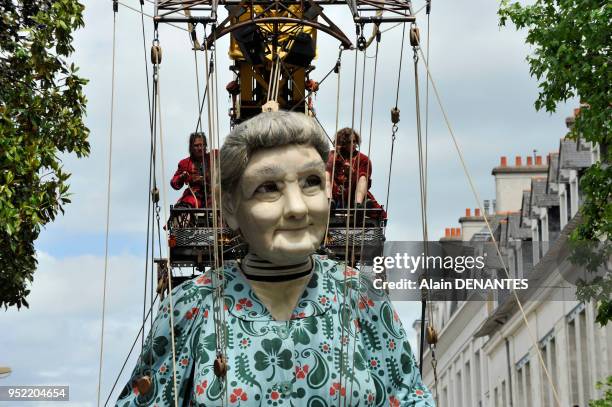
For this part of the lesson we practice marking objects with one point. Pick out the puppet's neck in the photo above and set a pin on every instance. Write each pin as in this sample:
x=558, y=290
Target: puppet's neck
x=257, y=269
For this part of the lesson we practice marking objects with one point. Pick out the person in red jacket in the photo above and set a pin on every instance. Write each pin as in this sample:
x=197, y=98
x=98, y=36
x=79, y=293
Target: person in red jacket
x=194, y=171
x=352, y=172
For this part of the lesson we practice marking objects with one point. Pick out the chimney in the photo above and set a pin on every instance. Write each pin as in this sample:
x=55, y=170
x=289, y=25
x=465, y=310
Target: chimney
x=538, y=160
x=486, y=206
x=518, y=161
x=458, y=232
x=453, y=232
x=529, y=161
x=468, y=212
x=447, y=232
x=477, y=212
x=503, y=161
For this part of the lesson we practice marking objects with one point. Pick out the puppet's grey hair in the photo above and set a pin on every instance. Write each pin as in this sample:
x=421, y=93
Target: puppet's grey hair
x=267, y=130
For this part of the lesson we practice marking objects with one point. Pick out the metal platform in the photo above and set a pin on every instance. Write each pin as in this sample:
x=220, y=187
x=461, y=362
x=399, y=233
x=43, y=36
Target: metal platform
x=192, y=238
x=354, y=237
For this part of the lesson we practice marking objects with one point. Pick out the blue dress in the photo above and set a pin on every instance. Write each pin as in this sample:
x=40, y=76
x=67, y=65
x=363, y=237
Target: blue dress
x=343, y=344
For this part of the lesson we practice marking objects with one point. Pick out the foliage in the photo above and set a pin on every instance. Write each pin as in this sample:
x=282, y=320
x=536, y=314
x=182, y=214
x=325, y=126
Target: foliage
x=606, y=401
x=571, y=58
x=42, y=107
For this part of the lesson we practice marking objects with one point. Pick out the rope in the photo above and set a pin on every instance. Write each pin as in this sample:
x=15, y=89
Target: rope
x=432, y=346
x=353, y=259
x=338, y=66
x=346, y=247
x=157, y=98
x=149, y=15
x=108, y=195
x=366, y=197
x=478, y=202
x=150, y=203
x=218, y=272
x=394, y=127
x=216, y=205
x=195, y=58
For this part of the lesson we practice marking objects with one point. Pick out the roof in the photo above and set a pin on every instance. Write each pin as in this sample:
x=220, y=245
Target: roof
x=515, y=229
x=558, y=250
x=523, y=169
x=539, y=197
x=571, y=157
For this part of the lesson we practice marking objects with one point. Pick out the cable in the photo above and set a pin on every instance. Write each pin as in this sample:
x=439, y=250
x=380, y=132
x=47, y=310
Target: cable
x=394, y=127
x=478, y=202
x=108, y=195
x=148, y=15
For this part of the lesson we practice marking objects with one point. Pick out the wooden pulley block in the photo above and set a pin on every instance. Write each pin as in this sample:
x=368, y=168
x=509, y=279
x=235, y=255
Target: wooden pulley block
x=143, y=384
x=395, y=115
x=220, y=366
x=233, y=87
x=155, y=195
x=431, y=335
x=162, y=278
x=156, y=54
x=361, y=43
x=415, y=38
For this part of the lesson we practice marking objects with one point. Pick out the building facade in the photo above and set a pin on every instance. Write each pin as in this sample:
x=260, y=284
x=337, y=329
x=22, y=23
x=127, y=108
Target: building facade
x=487, y=355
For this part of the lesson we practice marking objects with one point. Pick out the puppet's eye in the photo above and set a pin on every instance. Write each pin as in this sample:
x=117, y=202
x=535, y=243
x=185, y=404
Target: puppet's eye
x=267, y=187
x=312, y=181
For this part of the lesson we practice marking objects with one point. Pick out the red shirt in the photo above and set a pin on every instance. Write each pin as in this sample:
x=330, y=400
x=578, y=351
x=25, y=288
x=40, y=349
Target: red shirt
x=346, y=173
x=197, y=191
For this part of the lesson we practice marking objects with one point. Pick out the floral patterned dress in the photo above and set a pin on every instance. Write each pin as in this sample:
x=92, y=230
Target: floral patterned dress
x=343, y=344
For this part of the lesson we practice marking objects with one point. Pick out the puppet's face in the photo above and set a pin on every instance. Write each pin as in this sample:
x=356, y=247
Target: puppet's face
x=280, y=205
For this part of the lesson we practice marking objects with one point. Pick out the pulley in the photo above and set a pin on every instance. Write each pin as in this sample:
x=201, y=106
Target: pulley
x=431, y=335
x=361, y=43
x=156, y=54
x=415, y=39
x=233, y=87
x=220, y=366
x=143, y=384
x=155, y=195
x=395, y=115
x=162, y=278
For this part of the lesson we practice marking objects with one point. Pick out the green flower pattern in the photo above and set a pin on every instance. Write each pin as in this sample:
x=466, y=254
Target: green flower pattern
x=335, y=348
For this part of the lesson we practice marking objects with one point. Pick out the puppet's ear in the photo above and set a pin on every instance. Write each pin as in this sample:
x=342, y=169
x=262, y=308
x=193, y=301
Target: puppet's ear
x=229, y=210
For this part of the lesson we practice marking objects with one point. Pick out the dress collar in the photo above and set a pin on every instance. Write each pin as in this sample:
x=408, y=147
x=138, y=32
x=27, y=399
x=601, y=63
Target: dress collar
x=242, y=302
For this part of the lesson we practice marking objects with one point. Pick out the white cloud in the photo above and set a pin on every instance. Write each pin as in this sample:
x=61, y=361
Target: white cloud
x=57, y=340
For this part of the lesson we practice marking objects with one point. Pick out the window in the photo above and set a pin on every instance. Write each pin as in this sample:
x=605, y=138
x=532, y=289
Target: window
x=503, y=393
x=580, y=377
x=458, y=388
x=468, y=385
x=528, y=399
x=523, y=378
x=549, y=354
x=477, y=377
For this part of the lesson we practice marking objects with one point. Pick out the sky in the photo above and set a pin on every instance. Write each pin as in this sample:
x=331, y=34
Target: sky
x=486, y=90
